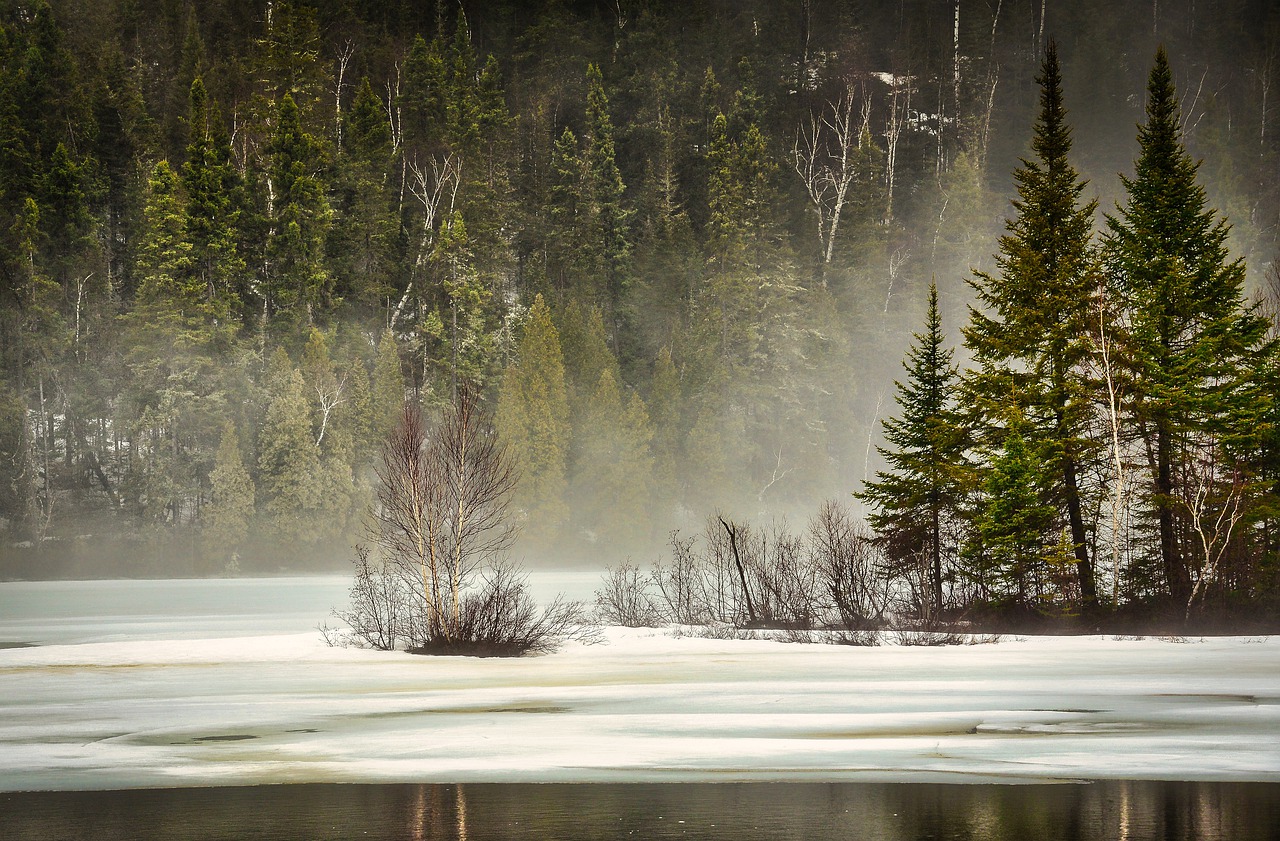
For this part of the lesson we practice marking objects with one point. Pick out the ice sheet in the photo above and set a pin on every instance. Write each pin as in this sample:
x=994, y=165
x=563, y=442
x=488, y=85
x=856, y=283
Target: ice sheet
x=646, y=706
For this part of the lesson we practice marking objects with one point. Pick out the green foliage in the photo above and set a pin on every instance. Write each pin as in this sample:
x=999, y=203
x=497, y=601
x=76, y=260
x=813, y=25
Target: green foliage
x=229, y=514
x=1030, y=338
x=1192, y=348
x=532, y=420
x=300, y=283
x=612, y=485
x=288, y=461
x=1013, y=552
x=917, y=499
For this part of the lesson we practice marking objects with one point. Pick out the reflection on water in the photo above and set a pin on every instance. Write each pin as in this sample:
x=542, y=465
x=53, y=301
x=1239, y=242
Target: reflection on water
x=866, y=812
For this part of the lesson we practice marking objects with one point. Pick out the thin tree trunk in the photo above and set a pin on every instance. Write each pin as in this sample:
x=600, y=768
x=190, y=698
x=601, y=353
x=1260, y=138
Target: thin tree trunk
x=1084, y=567
x=1175, y=571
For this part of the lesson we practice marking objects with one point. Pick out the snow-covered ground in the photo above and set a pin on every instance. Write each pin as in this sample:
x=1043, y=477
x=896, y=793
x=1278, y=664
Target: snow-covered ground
x=145, y=704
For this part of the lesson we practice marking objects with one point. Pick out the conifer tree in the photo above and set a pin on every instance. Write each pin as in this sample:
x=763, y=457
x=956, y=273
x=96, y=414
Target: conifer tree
x=387, y=394
x=210, y=180
x=1030, y=337
x=613, y=477
x=288, y=462
x=917, y=499
x=1192, y=344
x=584, y=344
x=229, y=513
x=361, y=250
x=605, y=189
x=1012, y=551
x=301, y=285
x=533, y=421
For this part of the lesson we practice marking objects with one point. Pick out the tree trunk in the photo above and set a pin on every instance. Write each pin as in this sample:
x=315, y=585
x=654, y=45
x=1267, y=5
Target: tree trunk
x=1175, y=571
x=935, y=549
x=1084, y=567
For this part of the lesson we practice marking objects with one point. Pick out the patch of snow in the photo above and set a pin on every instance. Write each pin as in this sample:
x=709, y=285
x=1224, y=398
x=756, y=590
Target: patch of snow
x=646, y=706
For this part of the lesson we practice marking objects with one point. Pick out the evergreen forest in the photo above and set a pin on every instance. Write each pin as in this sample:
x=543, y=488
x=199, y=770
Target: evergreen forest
x=1001, y=276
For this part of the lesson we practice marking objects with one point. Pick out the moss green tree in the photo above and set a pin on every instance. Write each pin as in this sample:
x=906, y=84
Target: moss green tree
x=917, y=499
x=229, y=512
x=533, y=420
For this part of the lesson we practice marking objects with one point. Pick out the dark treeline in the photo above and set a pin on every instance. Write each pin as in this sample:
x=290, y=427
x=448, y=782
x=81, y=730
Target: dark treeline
x=679, y=249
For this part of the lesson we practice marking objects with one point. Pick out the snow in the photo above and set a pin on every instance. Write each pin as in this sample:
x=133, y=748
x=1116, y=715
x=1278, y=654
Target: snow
x=146, y=704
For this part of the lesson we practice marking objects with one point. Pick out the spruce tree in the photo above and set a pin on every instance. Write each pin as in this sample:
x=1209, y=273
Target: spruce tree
x=288, y=461
x=301, y=285
x=918, y=496
x=1012, y=552
x=605, y=189
x=229, y=513
x=1192, y=344
x=613, y=475
x=1030, y=338
x=387, y=392
x=533, y=421
x=210, y=179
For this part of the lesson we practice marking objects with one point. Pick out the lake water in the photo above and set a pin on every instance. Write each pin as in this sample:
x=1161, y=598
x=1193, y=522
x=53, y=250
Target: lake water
x=1102, y=811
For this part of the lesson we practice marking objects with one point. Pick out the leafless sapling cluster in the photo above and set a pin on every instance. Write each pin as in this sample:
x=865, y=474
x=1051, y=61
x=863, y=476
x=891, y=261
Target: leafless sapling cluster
x=438, y=580
x=827, y=577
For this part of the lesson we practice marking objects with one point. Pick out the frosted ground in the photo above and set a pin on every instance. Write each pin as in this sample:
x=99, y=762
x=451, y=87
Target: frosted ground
x=130, y=684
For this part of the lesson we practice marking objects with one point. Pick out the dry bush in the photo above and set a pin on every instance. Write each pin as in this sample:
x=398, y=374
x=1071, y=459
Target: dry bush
x=625, y=598
x=499, y=618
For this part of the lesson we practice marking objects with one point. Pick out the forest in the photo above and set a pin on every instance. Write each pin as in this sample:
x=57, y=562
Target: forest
x=680, y=253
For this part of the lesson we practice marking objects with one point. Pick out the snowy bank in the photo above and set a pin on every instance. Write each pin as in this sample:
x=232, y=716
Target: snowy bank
x=647, y=706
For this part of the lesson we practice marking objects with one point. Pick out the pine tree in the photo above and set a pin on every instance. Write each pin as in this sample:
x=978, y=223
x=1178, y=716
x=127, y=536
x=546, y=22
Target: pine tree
x=613, y=476
x=1012, y=551
x=533, y=421
x=917, y=499
x=210, y=180
x=301, y=285
x=387, y=393
x=170, y=296
x=361, y=250
x=1192, y=344
x=229, y=513
x=604, y=195
x=1030, y=340
x=461, y=326
x=288, y=462
x=585, y=348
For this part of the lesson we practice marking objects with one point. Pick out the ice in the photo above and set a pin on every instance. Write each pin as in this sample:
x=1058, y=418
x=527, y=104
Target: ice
x=160, y=708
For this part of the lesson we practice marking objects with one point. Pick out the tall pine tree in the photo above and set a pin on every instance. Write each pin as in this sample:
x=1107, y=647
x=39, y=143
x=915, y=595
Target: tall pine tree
x=917, y=497
x=1030, y=339
x=1192, y=344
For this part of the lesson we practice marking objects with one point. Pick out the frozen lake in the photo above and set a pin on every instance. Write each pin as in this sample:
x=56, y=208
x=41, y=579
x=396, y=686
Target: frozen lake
x=226, y=683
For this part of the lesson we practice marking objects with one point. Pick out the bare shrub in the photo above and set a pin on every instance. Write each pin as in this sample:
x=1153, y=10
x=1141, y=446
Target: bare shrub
x=378, y=601
x=625, y=598
x=439, y=581
x=499, y=618
x=848, y=566
x=680, y=584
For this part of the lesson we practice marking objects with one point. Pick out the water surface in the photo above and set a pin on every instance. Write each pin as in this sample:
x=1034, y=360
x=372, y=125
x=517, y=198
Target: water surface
x=1100, y=811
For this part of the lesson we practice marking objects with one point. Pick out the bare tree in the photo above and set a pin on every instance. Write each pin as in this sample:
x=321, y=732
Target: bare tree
x=441, y=582
x=1213, y=497
x=825, y=156
x=435, y=187
x=845, y=562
